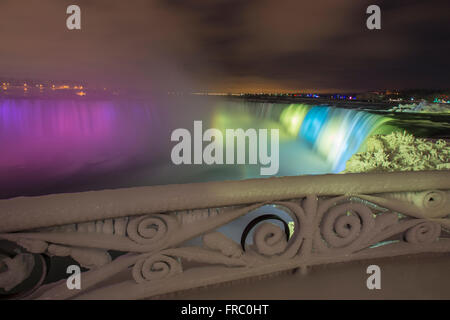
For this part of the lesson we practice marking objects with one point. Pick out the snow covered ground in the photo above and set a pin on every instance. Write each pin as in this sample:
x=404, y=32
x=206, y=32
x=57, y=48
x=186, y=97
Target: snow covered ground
x=400, y=152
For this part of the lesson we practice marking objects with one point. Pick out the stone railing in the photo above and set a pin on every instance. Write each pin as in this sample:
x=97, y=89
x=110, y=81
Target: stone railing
x=150, y=231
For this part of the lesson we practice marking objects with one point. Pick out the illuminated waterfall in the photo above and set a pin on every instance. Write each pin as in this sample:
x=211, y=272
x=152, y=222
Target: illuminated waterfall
x=336, y=134
x=51, y=143
x=50, y=140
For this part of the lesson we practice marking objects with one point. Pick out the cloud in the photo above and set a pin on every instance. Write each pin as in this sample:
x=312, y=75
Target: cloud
x=227, y=45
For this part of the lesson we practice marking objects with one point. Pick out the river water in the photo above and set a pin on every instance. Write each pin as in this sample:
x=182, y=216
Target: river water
x=66, y=144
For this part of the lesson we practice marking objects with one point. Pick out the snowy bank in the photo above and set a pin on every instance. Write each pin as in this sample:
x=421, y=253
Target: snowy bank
x=400, y=152
x=422, y=107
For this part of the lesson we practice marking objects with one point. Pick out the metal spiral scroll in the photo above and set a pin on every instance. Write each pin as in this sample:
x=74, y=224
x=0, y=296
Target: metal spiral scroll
x=150, y=229
x=434, y=198
x=425, y=232
x=344, y=226
x=269, y=239
x=155, y=267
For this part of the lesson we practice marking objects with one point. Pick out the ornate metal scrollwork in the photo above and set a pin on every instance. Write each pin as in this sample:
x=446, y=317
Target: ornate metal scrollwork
x=158, y=252
x=21, y=272
x=155, y=267
x=424, y=232
x=344, y=226
x=269, y=239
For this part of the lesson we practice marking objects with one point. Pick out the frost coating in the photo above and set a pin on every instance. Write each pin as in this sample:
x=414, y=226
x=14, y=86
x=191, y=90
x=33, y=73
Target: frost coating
x=14, y=271
x=400, y=152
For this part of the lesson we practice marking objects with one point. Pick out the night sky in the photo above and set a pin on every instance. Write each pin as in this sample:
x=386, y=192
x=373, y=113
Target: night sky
x=229, y=45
